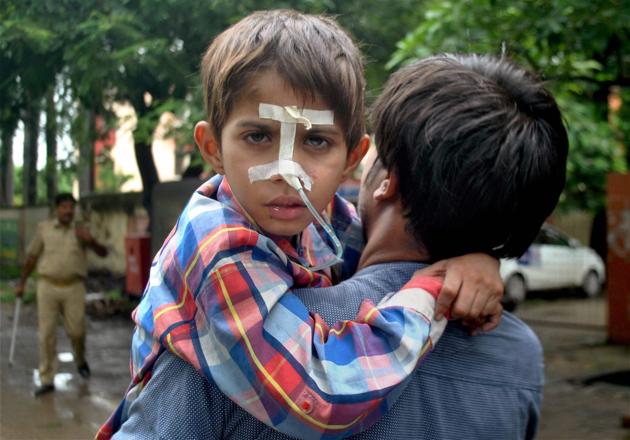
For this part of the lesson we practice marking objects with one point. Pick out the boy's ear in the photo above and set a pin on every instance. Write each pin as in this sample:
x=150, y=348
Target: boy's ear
x=387, y=188
x=209, y=146
x=356, y=155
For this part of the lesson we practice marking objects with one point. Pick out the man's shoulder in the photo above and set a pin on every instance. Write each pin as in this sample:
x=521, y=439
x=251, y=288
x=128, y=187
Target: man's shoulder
x=518, y=328
x=510, y=355
x=517, y=334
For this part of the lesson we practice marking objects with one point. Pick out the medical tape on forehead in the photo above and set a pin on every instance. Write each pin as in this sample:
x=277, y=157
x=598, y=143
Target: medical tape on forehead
x=289, y=117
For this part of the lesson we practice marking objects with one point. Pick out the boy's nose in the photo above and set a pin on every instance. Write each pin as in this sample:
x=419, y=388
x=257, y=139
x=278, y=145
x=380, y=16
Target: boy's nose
x=276, y=178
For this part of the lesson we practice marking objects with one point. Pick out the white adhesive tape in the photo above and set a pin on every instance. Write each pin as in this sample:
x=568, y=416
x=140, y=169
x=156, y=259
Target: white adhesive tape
x=289, y=117
x=280, y=167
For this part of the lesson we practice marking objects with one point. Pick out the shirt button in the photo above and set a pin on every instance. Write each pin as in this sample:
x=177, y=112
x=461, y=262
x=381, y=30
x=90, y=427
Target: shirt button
x=306, y=404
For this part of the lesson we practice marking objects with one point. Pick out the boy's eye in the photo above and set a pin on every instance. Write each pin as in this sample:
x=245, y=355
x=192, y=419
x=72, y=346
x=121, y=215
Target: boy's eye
x=316, y=142
x=257, y=137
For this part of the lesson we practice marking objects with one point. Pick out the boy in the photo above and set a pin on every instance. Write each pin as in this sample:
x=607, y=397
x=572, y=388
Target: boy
x=218, y=294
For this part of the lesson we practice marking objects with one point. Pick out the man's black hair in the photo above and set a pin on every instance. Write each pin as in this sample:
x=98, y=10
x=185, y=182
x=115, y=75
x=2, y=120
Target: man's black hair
x=480, y=150
x=64, y=197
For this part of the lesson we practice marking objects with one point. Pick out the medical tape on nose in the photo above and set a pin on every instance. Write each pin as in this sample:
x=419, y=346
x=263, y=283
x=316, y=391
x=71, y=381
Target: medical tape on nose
x=288, y=116
x=280, y=167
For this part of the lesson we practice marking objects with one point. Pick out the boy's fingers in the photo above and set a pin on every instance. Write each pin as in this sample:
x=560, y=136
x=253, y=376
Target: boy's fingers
x=478, y=306
x=463, y=304
x=450, y=289
x=435, y=270
x=494, y=320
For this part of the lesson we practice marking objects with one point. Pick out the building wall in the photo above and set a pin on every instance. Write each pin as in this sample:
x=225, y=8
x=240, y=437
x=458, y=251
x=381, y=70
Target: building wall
x=111, y=219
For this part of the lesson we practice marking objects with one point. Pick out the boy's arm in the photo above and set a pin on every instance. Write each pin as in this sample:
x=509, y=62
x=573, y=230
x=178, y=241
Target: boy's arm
x=220, y=300
x=260, y=345
x=472, y=288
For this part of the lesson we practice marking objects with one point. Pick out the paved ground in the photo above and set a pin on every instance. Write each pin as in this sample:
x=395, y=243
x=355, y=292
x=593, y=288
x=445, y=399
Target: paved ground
x=571, y=330
x=573, y=334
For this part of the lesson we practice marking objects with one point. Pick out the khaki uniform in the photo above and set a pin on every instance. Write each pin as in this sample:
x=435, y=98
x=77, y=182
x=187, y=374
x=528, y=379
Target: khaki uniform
x=62, y=266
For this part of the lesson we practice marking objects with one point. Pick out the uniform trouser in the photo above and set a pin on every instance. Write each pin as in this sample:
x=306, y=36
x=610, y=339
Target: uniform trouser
x=69, y=303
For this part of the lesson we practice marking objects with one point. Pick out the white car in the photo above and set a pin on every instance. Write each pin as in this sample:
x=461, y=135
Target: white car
x=553, y=261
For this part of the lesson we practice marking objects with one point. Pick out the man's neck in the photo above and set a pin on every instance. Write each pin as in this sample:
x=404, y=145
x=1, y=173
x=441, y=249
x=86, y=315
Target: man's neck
x=388, y=241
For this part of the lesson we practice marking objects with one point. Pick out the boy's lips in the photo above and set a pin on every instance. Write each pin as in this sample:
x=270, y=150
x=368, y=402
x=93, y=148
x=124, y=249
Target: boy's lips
x=286, y=208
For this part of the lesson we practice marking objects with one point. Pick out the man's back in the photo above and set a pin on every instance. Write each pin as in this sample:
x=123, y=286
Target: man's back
x=481, y=387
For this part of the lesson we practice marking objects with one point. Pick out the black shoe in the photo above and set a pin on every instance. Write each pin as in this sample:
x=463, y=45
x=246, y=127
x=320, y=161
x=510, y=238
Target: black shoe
x=84, y=370
x=44, y=389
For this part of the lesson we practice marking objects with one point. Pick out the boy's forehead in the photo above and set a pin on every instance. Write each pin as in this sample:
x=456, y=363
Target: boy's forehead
x=269, y=87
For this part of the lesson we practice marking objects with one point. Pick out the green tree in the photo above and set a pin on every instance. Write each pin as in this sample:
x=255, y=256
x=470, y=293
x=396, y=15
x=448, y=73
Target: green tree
x=90, y=53
x=581, y=53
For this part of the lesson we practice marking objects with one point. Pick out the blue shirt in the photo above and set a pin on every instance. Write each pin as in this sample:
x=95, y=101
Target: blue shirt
x=482, y=387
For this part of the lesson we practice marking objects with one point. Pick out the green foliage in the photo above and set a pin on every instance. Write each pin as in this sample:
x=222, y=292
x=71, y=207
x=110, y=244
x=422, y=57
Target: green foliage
x=580, y=53
x=109, y=181
x=594, y=152
x=9, y=271
x=66, y=172
x=100, y=51
x=7, y=293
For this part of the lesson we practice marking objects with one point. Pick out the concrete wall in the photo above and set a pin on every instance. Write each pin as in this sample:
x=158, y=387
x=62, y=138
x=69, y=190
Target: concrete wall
x=17, y=227
x=577, y=224
x=169, y=198
x=111, y=217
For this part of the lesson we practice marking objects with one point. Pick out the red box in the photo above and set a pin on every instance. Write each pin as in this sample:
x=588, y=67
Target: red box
x=138, y=263
x=618, y=215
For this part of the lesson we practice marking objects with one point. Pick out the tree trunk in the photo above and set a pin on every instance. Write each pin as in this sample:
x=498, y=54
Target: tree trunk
x=6, y=164
x=30, y=117
x=86, y=153
x=51, y=146
x=144, y=157
x=148, y=174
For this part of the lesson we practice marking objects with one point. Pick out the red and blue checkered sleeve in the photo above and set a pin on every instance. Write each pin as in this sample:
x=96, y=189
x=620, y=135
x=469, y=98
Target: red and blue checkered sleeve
x=286, y=367
x=220, y=298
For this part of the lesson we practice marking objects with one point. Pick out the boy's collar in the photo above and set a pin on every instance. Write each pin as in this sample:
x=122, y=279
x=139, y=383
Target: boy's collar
x=313, y=248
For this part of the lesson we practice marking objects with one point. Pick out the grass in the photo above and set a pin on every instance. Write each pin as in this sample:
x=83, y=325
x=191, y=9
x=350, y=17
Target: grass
x=7, y=293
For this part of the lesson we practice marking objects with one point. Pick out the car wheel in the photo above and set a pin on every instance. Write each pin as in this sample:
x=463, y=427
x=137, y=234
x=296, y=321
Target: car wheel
x=515, y=292
x=591, y=286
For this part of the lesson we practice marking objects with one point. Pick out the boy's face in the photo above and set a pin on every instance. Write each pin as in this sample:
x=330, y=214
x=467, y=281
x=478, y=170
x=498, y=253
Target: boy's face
x=248, y=141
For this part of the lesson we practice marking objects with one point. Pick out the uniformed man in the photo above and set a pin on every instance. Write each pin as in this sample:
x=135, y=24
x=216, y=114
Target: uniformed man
x=59, y=246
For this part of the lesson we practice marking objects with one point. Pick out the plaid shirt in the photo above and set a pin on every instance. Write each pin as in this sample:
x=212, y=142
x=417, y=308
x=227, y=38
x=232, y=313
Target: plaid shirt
x=219, y=297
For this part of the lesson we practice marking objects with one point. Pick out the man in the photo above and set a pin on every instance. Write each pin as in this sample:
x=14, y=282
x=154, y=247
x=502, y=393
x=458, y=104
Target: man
x=471, y=158
x=59, y=246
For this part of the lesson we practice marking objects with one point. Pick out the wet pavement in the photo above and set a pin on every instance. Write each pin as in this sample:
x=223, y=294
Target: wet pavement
x=571, y=330
x=577, y=404
x=78, y=407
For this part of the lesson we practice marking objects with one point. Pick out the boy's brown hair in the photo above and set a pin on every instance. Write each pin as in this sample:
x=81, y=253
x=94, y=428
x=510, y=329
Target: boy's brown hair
x=310, y=52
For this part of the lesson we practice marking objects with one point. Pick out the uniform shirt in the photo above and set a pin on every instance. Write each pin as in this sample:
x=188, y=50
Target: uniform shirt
x=61, y=254
x=469, y=387
x=219, y=297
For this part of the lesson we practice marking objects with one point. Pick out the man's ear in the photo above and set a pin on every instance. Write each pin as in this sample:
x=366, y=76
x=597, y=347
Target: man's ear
x=209, y=146
x=356, y=155
x=387, y=188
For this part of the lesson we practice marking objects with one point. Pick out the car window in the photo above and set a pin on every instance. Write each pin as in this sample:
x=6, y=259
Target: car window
x=549, y=236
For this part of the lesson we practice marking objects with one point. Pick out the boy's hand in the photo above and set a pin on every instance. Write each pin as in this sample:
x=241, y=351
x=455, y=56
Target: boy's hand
x=472, y=289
